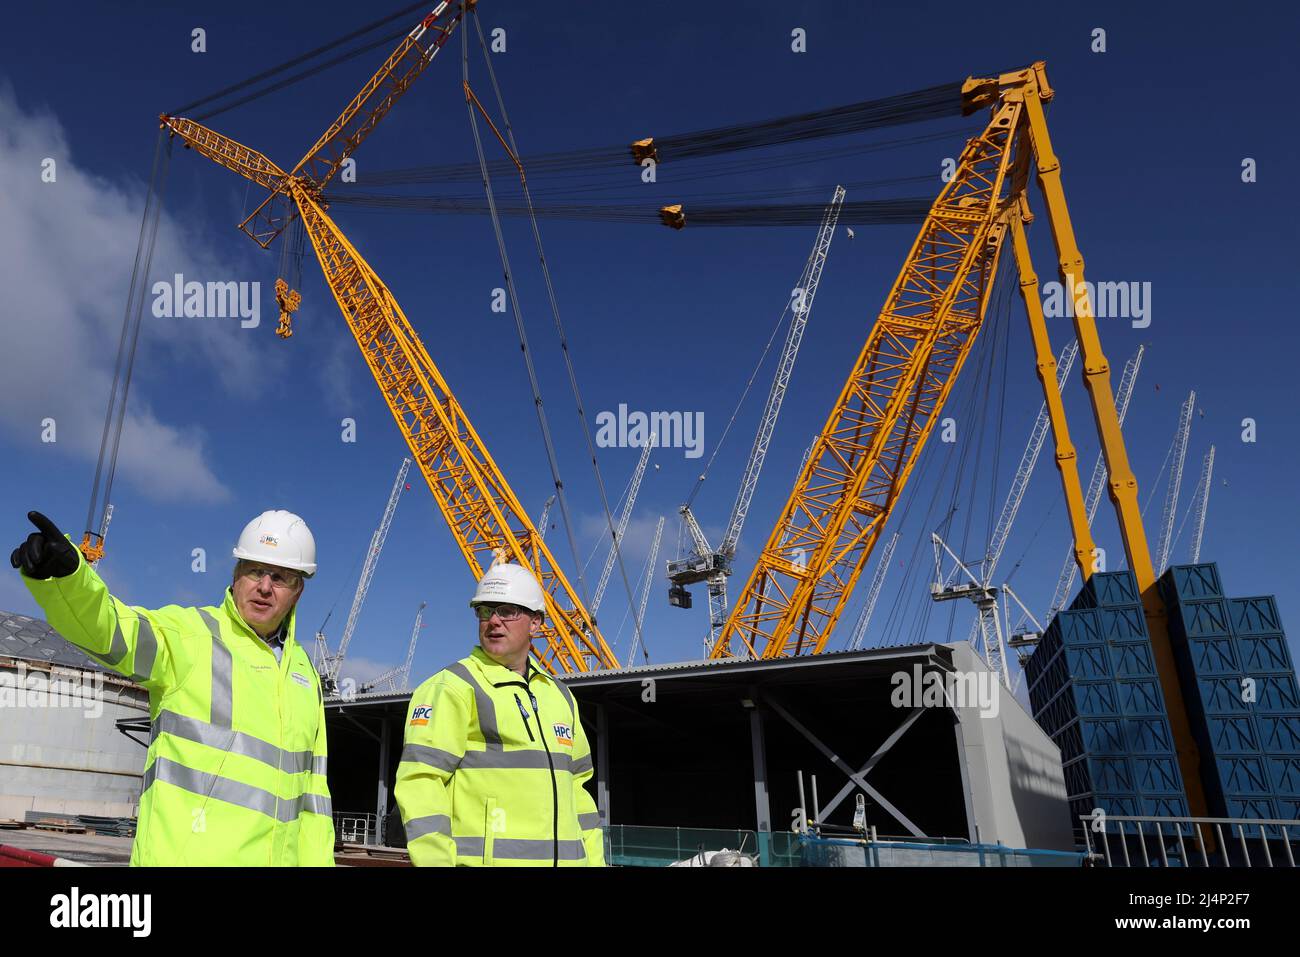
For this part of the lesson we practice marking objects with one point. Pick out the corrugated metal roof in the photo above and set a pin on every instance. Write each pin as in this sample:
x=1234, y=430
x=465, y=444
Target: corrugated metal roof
x=724, y=664
x=31, y=639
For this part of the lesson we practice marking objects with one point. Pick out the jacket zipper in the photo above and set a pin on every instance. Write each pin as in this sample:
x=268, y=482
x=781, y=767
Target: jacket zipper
x=550, y=763
x=524, y=713
x=555, y=793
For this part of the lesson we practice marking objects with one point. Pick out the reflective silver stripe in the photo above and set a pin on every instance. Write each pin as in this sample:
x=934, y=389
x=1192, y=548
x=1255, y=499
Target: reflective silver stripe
x=224, y=789
x=146, y=650
x=319, y=764
x=469, y=846
x=514, y=760
x=487, y=712
x=589, y=820
x=222, y=705
x=224, y=739
x=434, y=757
x=316, y=804
x=525, y=849
x=419, y=827
x=581, y=765
x=116, y=650
x=567, y=696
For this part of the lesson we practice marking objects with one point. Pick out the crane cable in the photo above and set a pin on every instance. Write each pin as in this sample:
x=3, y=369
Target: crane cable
x=699, y=482
x=555, y=314
x=543, y=422
x=132, y=320
x=519, y=325
x=295, y=61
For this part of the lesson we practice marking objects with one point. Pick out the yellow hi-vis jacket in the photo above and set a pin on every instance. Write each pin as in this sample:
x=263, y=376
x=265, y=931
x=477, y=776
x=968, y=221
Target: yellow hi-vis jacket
x=235, y=773
x=493, y=771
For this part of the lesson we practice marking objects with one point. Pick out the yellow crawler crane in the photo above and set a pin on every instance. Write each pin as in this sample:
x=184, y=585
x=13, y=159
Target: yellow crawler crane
x=874, y=435
x=484, y=515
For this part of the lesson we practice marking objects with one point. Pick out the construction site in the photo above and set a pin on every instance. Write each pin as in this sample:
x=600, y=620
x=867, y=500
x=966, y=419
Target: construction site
x=916, y=565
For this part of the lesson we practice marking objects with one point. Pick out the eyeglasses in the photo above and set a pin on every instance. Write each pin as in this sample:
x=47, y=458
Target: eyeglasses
x=504, y=612
x=279, y=577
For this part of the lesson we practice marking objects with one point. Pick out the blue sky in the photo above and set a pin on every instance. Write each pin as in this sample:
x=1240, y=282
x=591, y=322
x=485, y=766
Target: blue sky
x=228, y=421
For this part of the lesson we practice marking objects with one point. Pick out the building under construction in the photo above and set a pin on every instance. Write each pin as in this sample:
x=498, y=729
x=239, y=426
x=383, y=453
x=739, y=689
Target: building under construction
x=1164, y=718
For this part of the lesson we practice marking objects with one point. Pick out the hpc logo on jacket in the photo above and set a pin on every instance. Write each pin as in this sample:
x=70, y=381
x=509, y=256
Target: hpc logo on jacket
x=563, y=734
x=420, y=716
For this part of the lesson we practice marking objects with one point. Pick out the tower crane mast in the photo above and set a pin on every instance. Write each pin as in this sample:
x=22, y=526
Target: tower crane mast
x=544, y=520
x=1024, y=471
x=624, y=517
x=645, y=590
x=1175, y=483
x=335, y=662
x=714, y=565
x=1202, y=505
x=873, y=594
x=404, y=671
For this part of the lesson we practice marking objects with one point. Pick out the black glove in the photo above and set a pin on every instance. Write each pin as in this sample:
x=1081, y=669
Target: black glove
x=45, y=554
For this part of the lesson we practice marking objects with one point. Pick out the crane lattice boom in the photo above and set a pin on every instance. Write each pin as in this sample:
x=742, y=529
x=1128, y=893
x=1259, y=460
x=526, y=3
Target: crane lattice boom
x=485, y=516
x=624, y=517
x=1202, y=505
x=1175, y=483
x=863, y=456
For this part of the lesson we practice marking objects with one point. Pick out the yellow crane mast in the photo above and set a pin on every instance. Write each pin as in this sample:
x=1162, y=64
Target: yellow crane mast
x=484, y=515
x=863, y=456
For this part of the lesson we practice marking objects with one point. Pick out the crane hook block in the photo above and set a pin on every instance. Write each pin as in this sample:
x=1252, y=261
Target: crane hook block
x=673, y=216
x=645, y=149
x=288, y=300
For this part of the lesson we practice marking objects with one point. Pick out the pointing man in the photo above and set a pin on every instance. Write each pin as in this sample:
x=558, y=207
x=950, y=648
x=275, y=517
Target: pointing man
x=496, y=761
x=235, y=773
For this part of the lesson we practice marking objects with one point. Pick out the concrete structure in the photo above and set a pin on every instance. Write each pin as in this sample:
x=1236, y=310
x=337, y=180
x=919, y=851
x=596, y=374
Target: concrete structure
x=60, y=749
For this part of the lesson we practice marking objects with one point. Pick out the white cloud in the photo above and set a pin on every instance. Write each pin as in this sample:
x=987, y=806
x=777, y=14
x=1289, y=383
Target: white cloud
x=66, y=251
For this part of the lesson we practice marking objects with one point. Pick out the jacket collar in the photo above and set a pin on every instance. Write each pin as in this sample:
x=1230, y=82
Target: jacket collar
x=231, y=611
x=499, y=674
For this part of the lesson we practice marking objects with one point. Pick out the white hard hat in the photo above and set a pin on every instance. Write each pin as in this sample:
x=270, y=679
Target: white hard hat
x=278, y=538
x=509, y=583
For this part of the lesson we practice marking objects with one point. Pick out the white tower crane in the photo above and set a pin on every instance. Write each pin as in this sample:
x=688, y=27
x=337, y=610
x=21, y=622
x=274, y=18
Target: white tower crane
x=950, y=586
x=1065, y=583
x=1024, y=471
x=633, y=489
x=546, y=517
x=403, y=671
x=1202, y=497
x=332, y=663
x=645, y=590
x=877, y=582
x=1175, y=483
x=714, y=565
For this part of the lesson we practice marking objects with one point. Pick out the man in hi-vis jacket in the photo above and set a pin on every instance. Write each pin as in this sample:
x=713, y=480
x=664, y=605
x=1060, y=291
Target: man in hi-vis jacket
x=235, y=773
x=496, y=762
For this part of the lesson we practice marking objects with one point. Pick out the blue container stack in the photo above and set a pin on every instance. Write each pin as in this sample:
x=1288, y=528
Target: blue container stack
x=1094, y=689
x=1240, y=686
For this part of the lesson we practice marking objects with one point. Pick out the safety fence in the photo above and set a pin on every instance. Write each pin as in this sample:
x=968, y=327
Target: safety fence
x=356, y=827
x=639, y=846
x=1136, y=841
